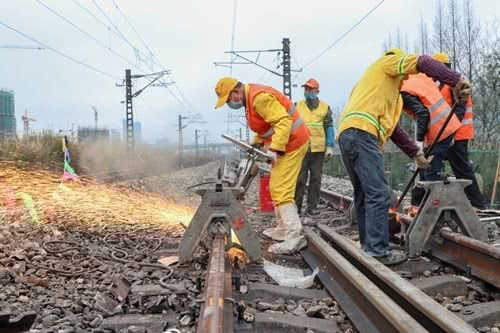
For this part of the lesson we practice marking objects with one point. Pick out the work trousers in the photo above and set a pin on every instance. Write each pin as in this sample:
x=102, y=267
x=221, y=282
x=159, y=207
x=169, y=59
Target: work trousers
x=365, y=165
x=458, y=156
x=312, y=167
x=284, y=176
x=440, y=153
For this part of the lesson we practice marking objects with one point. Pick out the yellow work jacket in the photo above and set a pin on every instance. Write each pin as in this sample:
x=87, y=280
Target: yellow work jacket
x=314, y=120
x=375, y=103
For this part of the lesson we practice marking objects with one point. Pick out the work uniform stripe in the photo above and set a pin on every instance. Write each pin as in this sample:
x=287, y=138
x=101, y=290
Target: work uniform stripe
x=401, y=65
x=440, y=116
x=368, y=117
x=436, y=105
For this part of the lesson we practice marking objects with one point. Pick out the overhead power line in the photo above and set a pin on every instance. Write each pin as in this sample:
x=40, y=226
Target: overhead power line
x=101, y=44
x=343, y=35
x=59, y=52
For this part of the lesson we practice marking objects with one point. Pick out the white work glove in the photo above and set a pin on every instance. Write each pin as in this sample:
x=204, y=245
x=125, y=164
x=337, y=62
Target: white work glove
x=462, y=90
x=273, y=155
x=420, y=145
x=422, y=161
x=328, y=153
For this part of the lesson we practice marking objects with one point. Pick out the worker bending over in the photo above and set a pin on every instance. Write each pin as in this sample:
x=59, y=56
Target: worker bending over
x=423, y=101
x=318, y=118
x=370, y=117
x=278, y=126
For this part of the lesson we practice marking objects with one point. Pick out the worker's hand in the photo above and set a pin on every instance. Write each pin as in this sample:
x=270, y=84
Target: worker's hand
x=328, y=153
x=257, y=145
x=422, y=161
x=420, y=145
x=274, y=154
x=462, y=90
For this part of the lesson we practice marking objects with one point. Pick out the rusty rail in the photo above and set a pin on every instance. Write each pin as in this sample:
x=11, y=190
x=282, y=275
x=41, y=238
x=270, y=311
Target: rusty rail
x=477, y=258
x=216, y=315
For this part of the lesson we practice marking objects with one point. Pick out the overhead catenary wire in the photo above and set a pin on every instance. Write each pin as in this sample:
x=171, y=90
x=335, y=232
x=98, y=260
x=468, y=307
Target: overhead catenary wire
x=59, y=52
x=343, y=35
x=86, y=33
x=154, y=59
x=117, y=32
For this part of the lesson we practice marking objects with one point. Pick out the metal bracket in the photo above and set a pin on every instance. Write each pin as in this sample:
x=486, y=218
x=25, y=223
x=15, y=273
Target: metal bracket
x=219, y=211
x=443, y=203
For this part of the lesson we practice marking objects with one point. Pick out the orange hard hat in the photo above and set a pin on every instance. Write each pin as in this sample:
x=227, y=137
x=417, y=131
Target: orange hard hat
x=311, y=83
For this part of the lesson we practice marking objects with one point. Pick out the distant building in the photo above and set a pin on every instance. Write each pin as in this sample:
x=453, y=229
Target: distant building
x=115, y=135
x=92, y=134
x=137, y=131
x=7, y=113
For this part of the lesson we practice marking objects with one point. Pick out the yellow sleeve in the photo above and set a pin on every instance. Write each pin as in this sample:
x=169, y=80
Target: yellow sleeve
x=400, y=65
x=271, y=110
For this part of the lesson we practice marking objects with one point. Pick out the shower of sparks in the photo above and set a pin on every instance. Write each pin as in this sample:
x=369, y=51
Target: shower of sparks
x=39, y=196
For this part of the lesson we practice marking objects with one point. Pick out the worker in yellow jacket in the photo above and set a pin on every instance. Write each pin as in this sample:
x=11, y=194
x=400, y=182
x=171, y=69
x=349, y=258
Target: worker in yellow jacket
x=278, y=126
x=370, y=117
x=318, y=118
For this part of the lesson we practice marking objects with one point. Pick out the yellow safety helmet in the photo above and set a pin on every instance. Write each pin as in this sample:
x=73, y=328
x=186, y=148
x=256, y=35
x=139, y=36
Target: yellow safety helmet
x=223, y=89
x=442, y=58
x=395, y=51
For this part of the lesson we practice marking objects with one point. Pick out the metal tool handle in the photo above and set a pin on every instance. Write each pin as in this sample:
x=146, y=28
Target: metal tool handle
x=248, y=148
x=426, y=154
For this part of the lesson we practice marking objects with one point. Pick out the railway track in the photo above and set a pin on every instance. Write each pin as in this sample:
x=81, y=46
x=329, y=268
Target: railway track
x=372, y=296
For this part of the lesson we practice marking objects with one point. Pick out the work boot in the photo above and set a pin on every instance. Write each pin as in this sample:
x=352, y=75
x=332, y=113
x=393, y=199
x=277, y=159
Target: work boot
x=278, y=233
x=294, y=241
x=313, y=211
x=392, y=258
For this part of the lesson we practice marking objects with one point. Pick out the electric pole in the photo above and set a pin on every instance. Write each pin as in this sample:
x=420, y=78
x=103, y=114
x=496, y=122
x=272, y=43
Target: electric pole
x=129, y=110
x=196, y=141
x=286, y=63
x=287, y=75
x=181, y=143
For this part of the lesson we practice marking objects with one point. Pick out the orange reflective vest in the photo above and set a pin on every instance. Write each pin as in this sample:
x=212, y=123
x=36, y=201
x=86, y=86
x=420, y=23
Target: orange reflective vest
x=424, y=88
x=299, y=133
x=466, y=131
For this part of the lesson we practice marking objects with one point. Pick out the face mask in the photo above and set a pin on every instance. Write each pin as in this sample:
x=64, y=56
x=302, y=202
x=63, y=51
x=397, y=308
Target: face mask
x=310, y=95
x=235, y=105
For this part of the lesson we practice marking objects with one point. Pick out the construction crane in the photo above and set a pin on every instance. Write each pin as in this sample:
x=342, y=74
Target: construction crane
x=26, y=121
x=22, y=47
x=95, y=115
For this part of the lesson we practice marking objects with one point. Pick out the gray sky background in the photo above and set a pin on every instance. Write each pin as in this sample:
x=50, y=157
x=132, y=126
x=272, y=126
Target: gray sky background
x=187, y=37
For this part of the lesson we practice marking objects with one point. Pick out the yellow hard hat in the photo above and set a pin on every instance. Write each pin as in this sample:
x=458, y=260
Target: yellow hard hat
x=395, y=51
x=223, y=89
x=442, y=57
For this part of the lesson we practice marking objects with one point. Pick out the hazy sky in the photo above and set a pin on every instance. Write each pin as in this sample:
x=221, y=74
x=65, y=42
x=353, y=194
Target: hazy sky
x=187, y=37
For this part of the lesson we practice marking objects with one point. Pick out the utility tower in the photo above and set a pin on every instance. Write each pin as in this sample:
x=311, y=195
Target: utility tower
x=286, y=63
x=180, y=126
x=26, y=122
x=129, y=95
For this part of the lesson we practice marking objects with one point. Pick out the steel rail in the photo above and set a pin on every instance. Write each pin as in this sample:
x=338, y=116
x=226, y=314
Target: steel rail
x=421, y=307
x=477, y=258
x=216, y=311
x=365, y=304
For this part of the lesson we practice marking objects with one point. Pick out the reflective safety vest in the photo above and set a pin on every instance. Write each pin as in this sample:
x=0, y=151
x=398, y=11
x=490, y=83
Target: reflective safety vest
x=299, y=134
x=314, y=120
x=466, y=131
x=422, y=86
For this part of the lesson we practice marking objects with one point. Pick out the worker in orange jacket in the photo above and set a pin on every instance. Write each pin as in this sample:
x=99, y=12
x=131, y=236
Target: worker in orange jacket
x=423, y=101
x=458, y=154
x=278, y=127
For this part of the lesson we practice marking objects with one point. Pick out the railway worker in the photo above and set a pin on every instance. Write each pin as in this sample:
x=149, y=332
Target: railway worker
x=458, y=154
x=278, y=127
x=423, y=101
x=370, y=117
x=318, y=118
